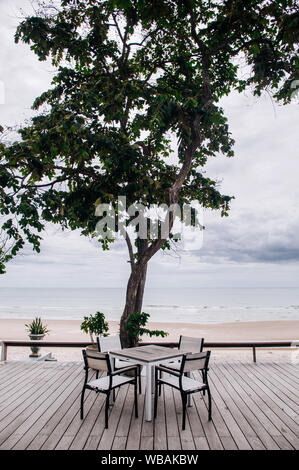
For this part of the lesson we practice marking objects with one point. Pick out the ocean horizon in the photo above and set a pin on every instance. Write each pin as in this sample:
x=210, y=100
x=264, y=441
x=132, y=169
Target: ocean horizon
x=170, y=305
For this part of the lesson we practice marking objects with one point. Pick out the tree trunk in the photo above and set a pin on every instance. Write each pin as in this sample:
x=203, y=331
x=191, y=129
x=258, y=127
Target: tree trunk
x=135, y=290
x=134, y=298
x=140, y=291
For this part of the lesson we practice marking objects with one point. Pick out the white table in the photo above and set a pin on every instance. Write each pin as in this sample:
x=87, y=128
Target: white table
x=148, y=356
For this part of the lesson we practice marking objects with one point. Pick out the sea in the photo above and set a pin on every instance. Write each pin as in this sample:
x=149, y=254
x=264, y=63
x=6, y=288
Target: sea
x=170, y=305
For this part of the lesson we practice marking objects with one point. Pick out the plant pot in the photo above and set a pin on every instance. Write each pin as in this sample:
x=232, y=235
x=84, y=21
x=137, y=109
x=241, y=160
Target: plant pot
x=35, y=349
x=93, y=347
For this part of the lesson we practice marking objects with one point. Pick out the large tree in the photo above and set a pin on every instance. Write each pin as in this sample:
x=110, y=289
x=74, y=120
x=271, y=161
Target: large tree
x=137, y=82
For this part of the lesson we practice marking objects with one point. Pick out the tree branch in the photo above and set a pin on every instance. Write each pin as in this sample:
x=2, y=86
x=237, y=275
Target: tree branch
x=130, y=249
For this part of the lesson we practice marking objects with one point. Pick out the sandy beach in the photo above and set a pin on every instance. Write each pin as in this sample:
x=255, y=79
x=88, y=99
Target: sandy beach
x=69, y=330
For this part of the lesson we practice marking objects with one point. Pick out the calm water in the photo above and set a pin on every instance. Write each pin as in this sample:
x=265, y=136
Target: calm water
x=166, y=305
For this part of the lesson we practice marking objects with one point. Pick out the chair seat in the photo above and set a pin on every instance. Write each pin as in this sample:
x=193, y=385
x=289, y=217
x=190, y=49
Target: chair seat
x=103, y=382
x=188, y=384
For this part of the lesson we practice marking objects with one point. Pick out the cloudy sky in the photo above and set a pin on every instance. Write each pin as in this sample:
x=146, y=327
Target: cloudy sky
x=256, y=246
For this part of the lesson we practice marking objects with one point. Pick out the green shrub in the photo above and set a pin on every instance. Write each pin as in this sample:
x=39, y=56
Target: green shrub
x=95, y=325
x=136, y=327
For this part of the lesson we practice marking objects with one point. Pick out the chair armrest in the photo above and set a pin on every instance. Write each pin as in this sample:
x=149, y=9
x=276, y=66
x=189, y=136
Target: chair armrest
x=124, y=369
x=168, y=370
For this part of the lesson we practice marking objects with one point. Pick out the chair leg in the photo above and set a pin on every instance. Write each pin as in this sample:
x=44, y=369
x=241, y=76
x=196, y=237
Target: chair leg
x=204, y=380
x=156, y=395
x=139, y=379
x=184, y=402
x=82, y=403
x=210, y=403
x=106, y=410
x=136, y=398
x=160, y=384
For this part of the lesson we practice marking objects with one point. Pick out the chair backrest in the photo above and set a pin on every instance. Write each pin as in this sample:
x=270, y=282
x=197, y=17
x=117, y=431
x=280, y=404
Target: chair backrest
x=96, y=360
x=108, y=343
x=196, y=361
x=189, y=344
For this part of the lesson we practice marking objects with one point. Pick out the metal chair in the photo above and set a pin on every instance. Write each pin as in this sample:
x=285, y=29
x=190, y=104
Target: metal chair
x=110, y=343
x=101, y=362
x=190, y=344
x=187, y=344
x=185, y=385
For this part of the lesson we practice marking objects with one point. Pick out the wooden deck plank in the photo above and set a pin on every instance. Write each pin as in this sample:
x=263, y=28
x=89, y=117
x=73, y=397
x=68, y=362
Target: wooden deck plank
x=171, y=421
x=278, y=380
x=286, y=425
x=86, y=425
x=280, y=390
x=290, y=368
x=273, y=426
x=119, y=443
x=93, y=412
x=147, y=443
x=201, y=443
x=160, y=437
x=114, y=417
x=15, y=384
x=17, y=412
x=44, y=408
x=12, y=376
x=96, y=433
x=254, y=407
x=123, y=427
x=263, y=383
x=209, y=428
x=147, y=432
x=16, y=417
x=148, y=426
x=134, y=434
x=195, y=422
x=62, y=430
x=286, y=372
x=261, y=426
x=219, y=423
x=58, y=422
x=21, y=388
x=61, y=401
x=7, y=371
x=186, y=435
x=270, y=398
x=228, y=417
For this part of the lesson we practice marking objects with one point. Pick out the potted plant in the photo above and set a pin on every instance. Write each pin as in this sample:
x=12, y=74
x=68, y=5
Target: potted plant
x=37, y=330
x=95, y=325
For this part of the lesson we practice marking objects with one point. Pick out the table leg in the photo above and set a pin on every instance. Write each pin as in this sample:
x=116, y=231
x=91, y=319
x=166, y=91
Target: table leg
x=148, y=393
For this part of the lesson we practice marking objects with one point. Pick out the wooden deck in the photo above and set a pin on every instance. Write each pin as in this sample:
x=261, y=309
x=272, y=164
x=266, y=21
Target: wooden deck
x=255, y=406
